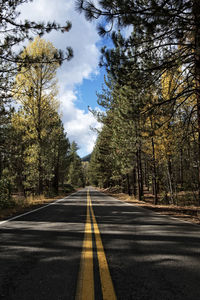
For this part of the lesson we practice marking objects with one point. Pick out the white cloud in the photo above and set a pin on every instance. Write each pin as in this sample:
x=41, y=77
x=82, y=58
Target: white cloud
x=82, y=38
x=78, y=123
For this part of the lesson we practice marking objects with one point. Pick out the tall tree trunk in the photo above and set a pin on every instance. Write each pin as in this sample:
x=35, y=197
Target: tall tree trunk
x=140, y=175
x=181, y=168
x=154, y=173
x=139, y=162
x=146, y=174
x=155, y=185
x=134, y=182
x=196, y=13
x=1, y=165
x=169, y=172
x=138, y=178
x=56, y=177
x=128, y=184
x=40, y=179
x=39, y=100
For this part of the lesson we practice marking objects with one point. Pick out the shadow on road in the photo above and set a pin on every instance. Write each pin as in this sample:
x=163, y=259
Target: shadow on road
x=149, y=256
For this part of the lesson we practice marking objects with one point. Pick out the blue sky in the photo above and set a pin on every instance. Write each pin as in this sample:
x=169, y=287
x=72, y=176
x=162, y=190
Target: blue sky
x=87, y=90
x=79, y=79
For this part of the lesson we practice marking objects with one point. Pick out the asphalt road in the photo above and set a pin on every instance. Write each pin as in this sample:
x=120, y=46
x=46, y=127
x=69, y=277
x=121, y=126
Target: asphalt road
x=149, y=256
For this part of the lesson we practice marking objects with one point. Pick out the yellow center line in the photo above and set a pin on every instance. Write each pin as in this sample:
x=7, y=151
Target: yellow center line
x=106, y=280
x=85, y=287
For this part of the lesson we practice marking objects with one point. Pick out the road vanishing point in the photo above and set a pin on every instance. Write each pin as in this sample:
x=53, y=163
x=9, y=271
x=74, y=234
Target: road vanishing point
x=91, y=246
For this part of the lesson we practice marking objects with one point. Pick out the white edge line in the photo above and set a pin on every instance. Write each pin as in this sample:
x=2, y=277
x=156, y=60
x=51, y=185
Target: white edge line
x=34, y=210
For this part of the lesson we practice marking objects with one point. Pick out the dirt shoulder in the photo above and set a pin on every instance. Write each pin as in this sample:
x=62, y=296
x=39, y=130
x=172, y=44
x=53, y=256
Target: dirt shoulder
x=27, y=205
x=186, y=213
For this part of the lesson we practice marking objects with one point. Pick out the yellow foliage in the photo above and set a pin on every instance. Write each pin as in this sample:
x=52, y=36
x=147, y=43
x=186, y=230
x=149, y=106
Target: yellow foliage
x=35, y=88
x=170, y=84
x=37, y=79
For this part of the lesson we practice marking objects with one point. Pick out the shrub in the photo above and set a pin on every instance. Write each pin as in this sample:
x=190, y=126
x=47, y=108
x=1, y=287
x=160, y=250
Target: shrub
x=5, y=193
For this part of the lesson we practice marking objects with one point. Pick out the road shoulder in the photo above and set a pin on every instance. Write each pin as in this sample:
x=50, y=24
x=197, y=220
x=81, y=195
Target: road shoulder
x=190, y=214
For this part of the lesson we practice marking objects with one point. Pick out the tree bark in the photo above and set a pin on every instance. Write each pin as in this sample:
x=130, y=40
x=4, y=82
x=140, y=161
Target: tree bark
x=146, y=174
x=56, y=177
x=154, y=173
x=128, y=184
x=139, y=175
x=134, y=182
x=169, y=172
x=39, y=99
x=181, y=168
x=196, y=13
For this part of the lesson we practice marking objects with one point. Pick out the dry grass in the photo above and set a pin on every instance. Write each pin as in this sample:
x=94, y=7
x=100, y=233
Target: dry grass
x=22, y=204
x=186, y=213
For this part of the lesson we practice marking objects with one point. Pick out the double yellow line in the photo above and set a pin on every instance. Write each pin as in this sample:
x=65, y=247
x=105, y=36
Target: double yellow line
x=85, y=286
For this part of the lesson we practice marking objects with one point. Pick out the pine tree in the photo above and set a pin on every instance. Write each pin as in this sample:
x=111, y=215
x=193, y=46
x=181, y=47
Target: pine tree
x=35, y=89
x=166, y=35
x=14, y=33
x=76, y=174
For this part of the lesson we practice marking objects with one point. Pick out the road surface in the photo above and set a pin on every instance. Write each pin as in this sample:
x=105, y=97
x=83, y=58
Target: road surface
x=90, y=246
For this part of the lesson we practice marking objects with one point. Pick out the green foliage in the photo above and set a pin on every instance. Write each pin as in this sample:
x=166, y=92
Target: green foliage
x=152, y=95
x=76, y=173
x=13, y=34
x=5, y=190
x=38, y=146
x=33, y=145
x=86, y=158
x=144, y=147
x=68, y=188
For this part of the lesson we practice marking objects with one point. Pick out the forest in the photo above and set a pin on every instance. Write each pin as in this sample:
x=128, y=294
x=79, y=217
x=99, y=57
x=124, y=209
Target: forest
x=149, y=142
x=150, y=137
x=36, y=157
